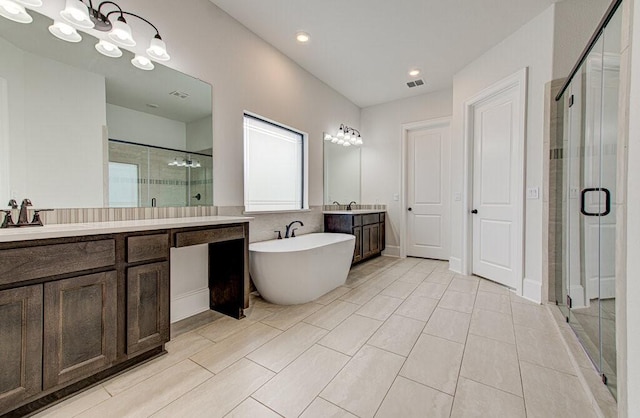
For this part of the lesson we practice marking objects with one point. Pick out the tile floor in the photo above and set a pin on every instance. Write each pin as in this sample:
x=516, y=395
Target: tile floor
x=402, y=338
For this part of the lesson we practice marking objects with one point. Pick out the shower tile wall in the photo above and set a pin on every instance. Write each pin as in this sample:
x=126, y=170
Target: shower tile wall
x=553, y=171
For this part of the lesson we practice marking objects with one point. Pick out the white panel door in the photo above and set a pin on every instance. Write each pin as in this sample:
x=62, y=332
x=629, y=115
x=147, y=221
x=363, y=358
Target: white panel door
x=497, y=244
x=428, y=192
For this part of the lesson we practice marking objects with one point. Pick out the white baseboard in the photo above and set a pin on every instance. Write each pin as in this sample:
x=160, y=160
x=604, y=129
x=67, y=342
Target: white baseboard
x=578, y=299
x=392, y=251
x=455, y=265
x=189, y=304
x=532, y=290
x=604, y=288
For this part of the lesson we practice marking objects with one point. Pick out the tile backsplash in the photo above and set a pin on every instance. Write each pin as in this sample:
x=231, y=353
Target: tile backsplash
x=70, y=216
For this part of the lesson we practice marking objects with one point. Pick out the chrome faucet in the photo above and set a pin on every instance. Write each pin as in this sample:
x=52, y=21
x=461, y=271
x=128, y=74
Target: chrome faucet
x=351, y=203
x=289, y=233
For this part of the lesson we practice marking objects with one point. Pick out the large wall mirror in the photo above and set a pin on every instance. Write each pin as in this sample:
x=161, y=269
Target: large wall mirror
x=81, y=130
x=341, y=173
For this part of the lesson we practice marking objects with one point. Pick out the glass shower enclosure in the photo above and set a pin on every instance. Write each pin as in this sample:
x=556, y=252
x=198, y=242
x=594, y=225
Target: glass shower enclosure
x=148, y=176
x=586, y=197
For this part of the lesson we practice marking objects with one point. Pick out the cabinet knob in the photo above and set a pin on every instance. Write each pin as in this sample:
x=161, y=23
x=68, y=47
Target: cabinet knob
x=409, y=209
x=474, y=211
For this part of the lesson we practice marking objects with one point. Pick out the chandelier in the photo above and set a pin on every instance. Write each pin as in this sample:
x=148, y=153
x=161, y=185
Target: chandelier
x=346, y=136
x=107, y=16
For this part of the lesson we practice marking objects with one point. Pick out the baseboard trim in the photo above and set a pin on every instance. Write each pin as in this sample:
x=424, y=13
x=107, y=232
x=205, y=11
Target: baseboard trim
x=532, y=290
x=189, y=304
x=392, y=251
x=455, y=265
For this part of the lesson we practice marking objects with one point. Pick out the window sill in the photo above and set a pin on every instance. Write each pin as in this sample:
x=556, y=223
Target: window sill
x=273, y=212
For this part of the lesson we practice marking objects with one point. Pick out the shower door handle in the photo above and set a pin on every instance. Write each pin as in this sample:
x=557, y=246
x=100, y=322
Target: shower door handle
x=607, y=201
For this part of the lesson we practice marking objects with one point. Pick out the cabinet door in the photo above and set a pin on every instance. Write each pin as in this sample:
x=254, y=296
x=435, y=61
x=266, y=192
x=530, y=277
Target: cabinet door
x=374, y=239
x=147, y=306
x=357, y=251
x=20, y=345
x=366, y=241
x=80, y=327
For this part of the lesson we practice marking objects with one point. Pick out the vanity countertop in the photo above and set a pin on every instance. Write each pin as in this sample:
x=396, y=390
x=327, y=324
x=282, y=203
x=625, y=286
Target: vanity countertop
x=96, y=228
x=352, y=212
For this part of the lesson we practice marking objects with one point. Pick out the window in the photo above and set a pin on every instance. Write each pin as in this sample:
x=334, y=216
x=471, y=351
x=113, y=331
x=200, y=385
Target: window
x=123, y=185
x=275, y=160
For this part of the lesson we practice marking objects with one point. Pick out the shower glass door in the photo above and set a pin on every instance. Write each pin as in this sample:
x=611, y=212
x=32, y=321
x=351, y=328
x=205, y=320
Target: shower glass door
x=590, y=123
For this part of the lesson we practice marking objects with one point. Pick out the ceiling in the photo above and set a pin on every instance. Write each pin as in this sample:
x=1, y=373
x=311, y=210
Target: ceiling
x=365, y=48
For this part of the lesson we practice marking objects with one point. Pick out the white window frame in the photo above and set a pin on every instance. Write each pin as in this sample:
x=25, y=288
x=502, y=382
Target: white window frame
x=304, y=173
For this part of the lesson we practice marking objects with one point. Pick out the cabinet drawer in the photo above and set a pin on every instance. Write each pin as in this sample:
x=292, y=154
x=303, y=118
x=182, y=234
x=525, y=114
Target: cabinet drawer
x=21, y=264
x=370, y=218
x=147, y=247
x=357, y=220
x=207, y=236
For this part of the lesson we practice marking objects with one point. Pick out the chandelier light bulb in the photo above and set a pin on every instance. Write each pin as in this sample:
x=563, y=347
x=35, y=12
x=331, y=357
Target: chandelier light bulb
x=14, y=11
x=346, y=144
x=359, y=140
x=76, y=13
x=334, y=140
x=121, y=33
x=65, y=32
x=327, y=137
x=340, y=134
x=158, y=50
x=142, y=63
x=108, y=49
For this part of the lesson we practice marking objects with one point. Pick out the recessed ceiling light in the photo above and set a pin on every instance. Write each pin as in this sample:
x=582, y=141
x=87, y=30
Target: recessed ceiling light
x=302, y=37
x=414, y=72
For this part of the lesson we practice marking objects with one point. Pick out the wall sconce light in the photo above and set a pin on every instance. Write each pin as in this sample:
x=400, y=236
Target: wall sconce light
x=77, y=14
x=346, y=136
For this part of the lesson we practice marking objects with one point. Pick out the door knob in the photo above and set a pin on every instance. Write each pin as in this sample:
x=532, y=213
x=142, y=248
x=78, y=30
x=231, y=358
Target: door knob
x=474, y=211
x=409, y=209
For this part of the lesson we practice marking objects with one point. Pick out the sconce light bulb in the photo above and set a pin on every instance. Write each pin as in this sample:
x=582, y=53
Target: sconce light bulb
x=14, y=12
x=65, y=32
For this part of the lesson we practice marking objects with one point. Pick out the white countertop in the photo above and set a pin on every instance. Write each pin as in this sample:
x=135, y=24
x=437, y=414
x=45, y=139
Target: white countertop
x=352, y=212
x=95, y=228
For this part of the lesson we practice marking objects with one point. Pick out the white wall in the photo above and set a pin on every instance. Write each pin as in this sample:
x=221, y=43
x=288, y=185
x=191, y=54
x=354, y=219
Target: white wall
x=199, y=134
x=575, y=22
x=381, y=152
x=52, y=156
x=246, y=74
x=531, y=46
x=143, y=128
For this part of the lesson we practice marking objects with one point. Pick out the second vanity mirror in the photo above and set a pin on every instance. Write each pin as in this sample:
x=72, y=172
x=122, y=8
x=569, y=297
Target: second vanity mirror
x=81, y=130
x=341, y=173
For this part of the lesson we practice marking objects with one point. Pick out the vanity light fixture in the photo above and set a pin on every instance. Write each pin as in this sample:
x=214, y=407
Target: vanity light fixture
x=108, y=49
x=142, y=63
x=107, y=16
x=65, y=32
x=14, y=11
x=185, y=163
x=346, y=136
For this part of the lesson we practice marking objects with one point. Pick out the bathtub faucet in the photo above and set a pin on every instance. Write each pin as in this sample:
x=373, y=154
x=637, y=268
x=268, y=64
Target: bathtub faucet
x=288, y=232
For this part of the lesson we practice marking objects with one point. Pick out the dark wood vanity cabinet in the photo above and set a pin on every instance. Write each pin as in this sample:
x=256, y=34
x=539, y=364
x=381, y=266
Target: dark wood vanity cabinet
x=80, y=327
x=147, y=306
x=76, y=310
x=368, y=229
x=20, y=344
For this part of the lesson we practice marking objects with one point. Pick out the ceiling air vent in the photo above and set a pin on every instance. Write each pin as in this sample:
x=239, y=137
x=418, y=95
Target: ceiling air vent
x=179, y=94
x=415, y=83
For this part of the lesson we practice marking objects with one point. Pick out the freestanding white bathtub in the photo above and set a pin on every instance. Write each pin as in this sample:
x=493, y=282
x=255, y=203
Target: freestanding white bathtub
x=301, y=269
